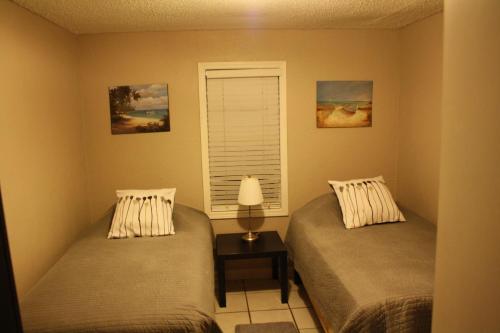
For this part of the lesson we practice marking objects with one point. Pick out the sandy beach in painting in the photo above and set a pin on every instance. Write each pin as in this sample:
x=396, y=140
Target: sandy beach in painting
x=130, y=124
x=335, y=115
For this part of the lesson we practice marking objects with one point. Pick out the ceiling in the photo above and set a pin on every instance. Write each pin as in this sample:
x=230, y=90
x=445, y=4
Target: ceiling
x=100, y=16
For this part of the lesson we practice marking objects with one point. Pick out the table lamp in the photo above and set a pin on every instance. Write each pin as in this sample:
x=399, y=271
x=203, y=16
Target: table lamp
x=250, y=194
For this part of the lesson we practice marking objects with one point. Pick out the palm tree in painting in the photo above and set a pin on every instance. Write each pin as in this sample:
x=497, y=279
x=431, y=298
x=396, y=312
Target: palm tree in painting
x=120, y=99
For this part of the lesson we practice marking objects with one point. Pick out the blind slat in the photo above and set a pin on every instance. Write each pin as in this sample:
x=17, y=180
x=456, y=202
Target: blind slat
x=238, y=178
x=238, y=73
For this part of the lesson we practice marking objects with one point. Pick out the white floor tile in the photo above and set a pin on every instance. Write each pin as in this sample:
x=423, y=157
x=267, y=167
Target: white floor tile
x=271, y=316
x=262, y=297
x=265, y=301
x=234, y=303
x=227, y=321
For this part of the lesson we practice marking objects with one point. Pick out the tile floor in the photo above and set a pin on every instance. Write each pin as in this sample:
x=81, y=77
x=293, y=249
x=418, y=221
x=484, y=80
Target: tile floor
x=259, y=301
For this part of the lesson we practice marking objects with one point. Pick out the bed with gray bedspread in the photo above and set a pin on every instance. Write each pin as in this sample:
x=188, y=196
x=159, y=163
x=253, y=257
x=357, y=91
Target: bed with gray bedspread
x=373, y=279
x=148, y=284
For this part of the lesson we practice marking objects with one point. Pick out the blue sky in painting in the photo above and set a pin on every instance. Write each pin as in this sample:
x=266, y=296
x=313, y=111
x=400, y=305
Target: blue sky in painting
x=153, y=97
x=344, y=91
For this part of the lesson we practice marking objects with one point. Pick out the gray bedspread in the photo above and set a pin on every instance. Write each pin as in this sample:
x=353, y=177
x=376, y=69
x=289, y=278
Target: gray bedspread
x=149, y=284
x=373, y=279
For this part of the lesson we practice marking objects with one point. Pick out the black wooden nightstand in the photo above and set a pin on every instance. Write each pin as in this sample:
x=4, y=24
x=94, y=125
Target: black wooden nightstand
x=268, y=245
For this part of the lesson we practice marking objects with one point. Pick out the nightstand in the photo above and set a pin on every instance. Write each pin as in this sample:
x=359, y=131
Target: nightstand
x=268, y=245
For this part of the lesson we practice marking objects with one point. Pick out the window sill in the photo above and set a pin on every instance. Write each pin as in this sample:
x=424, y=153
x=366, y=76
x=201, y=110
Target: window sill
x=244, y=213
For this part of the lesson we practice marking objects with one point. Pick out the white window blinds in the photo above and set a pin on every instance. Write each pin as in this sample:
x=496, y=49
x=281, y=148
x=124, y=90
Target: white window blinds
x=244, y=137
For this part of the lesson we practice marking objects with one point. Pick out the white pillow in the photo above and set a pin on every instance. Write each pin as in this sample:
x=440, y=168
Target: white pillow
x=143, y=213
x=366, y=201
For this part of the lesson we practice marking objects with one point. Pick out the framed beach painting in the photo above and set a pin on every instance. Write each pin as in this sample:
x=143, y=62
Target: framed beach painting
x=139, y=109
x=344, y=103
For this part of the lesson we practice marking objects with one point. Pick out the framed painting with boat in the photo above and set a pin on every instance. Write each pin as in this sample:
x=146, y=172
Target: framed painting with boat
x=344, y=103
x=139, y=108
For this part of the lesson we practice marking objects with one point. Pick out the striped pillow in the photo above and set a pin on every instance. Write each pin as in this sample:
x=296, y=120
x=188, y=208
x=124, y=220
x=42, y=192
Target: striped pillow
x=366, y=201
x=143, y=213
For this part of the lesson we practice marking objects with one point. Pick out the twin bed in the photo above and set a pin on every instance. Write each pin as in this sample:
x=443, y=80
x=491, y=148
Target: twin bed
x=144, y=284
x=372, y=279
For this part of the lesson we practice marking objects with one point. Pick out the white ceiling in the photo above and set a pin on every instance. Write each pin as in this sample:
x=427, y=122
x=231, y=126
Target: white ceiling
x=99, y=16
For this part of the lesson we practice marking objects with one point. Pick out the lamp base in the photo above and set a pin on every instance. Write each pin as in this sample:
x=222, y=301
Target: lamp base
x=250, y=236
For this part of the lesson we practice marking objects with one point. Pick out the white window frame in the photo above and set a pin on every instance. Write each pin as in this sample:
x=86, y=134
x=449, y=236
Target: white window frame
x=253, y=68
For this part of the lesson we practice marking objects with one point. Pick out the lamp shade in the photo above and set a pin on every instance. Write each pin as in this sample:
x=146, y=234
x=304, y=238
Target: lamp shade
x=250, y=192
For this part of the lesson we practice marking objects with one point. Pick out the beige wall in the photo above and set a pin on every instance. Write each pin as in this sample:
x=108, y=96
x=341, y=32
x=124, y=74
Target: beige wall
x=41, y=167
x=467, y=289
x=67, y=77
x=419, y=124
x=174, y=159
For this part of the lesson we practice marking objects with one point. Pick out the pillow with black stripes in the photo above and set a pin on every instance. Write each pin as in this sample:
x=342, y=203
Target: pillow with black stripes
x=143, y=213
x=366, y=201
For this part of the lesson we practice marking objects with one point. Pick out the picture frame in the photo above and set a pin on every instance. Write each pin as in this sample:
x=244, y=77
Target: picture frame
x=344, y=104
x=139, y=108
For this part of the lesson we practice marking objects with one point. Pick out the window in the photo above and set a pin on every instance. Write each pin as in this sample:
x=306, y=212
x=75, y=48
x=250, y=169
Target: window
x=243, y=132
